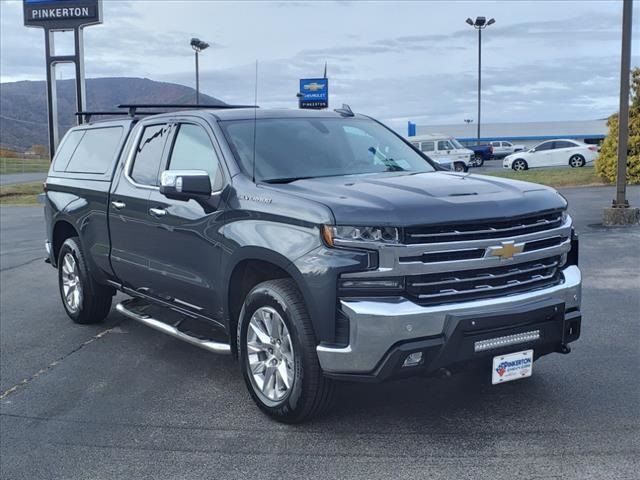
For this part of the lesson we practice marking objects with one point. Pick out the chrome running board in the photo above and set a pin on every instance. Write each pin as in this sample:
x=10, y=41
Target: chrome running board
x=210, y=345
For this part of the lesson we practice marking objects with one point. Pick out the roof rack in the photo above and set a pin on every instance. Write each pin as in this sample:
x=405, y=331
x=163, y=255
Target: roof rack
x=87, y=115
x=132, y=107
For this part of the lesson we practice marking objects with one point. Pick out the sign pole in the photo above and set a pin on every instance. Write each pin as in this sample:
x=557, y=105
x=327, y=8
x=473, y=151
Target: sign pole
x=62, y=16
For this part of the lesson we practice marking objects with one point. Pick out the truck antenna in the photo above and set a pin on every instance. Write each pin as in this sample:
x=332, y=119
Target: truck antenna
x=255, y=121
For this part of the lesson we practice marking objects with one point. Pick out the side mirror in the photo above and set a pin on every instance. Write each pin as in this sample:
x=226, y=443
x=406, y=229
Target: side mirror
x=185, y=184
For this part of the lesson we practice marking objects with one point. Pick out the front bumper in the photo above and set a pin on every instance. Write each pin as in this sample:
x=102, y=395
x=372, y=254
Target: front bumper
x=383, y=331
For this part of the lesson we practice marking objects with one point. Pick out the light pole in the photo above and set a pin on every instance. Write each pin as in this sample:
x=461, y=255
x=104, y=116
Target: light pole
x=198, y=46
x=480, y=24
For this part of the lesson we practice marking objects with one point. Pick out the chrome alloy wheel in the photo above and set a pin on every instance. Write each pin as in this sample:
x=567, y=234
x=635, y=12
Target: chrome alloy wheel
x=270, y=354
x=71, y=286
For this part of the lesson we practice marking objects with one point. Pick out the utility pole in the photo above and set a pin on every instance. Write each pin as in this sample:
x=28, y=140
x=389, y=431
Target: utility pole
x=621, y=213
x=623, y=120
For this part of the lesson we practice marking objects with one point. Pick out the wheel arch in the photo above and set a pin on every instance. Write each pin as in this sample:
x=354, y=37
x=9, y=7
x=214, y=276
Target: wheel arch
x=62, y=230
x=248, y=267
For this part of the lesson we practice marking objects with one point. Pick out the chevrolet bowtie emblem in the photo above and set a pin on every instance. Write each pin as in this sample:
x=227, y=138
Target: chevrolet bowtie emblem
x=506, y=251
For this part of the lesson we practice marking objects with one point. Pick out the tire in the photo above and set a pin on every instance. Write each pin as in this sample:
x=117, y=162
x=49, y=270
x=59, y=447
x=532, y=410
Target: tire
x=576, y=161
x=308, y=392
x=478, y=161
x=519, y=165
x=460, y=167
x=84, y=300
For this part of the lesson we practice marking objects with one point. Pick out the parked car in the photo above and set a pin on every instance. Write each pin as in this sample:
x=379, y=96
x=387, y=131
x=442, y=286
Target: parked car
x=553, y=153
x=501, y=148
x=481, y=153
x=444, y=149
x=329, y=249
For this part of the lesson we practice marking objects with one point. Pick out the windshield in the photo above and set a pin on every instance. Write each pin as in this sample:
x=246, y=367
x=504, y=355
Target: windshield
x=287, y=149
x=456, y=143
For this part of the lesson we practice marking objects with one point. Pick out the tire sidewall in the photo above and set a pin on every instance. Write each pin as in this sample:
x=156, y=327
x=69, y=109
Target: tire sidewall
x=262, y=297
x=72, y=247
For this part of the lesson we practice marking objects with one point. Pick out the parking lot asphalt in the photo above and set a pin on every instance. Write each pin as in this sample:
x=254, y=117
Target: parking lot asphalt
x=16, y=178
x=119, y=400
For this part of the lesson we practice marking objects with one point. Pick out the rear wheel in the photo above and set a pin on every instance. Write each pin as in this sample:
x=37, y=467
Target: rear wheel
x=84, y=300
x=519, y=165
x=576, y=161
x=277, y=352
x=478, y=160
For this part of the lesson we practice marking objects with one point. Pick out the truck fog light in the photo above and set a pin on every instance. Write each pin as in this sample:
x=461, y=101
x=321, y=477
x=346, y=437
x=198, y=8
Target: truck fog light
x=413, y=359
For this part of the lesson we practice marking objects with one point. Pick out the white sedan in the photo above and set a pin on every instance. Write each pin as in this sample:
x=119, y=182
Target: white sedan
x=552, y=153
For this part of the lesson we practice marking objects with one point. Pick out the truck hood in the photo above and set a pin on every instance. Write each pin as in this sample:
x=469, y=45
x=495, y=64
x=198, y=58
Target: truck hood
x=426, y=198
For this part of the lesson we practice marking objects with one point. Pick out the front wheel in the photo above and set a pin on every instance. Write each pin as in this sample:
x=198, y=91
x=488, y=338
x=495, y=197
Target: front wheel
x=277, y=352
x=84, y=300
x=460, y=167
x=519, y=165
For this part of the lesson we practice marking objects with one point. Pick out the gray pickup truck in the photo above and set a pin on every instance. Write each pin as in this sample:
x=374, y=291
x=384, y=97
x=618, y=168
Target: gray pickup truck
x=313, y=246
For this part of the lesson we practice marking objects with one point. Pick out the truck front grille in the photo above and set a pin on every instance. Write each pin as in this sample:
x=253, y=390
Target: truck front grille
x=483, y=230
x=467, y=285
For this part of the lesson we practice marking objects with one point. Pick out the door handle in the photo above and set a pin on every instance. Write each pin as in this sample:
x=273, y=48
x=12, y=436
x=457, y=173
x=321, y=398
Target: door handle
x=118, y=205
x=157, y=212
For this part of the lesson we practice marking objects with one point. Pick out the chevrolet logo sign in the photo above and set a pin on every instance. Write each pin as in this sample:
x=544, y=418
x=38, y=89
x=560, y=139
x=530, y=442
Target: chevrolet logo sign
x=506, y=250
x=314, y=86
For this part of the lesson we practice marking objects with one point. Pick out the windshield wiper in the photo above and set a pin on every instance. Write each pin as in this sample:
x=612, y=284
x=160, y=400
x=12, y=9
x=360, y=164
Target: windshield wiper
x=285, y=180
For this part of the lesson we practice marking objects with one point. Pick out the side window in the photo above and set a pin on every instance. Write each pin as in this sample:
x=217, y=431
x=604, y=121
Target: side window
x=563, y=144
x=506, y=144
x=96, y=150
x=149, y=155
x=428, y=146
x=544, y=146
x=444, y=145
x=66, y=149
x=495, y=144
x=192, y=150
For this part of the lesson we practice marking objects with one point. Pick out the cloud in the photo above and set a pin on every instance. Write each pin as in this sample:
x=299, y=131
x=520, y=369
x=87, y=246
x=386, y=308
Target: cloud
x=392, y=60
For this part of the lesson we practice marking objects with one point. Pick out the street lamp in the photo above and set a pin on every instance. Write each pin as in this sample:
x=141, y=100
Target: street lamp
x=480, y=24
x=198, y=46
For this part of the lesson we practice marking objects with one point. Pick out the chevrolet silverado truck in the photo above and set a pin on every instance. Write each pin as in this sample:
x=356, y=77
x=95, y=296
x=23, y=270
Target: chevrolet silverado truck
x=313, y=246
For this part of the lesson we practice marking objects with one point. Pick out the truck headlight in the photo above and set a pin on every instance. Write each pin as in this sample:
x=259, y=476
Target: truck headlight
x=341, y=233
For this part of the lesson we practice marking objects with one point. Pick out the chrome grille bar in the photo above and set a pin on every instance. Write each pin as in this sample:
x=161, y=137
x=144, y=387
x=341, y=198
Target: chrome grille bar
x=513, y=283
x=487, y=275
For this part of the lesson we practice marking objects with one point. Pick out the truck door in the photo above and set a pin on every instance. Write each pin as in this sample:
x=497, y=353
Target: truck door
x=129, y=205
x=186, y=251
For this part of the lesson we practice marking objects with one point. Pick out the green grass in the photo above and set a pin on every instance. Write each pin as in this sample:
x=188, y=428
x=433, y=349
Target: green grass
x=555, y=177
x=23, y=165
x=22, y=194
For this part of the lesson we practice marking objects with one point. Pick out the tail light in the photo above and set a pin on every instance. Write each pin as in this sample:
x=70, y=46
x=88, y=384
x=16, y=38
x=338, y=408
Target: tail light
x=490, y=148
x=593, y=148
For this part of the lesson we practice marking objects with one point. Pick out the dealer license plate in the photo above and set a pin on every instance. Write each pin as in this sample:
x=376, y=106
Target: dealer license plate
x=512, y=366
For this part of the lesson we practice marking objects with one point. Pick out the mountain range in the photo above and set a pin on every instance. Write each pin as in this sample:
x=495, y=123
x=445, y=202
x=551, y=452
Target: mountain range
x=23, y=105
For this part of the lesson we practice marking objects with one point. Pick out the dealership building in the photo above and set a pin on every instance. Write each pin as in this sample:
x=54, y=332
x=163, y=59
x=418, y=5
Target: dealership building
x=527, y=134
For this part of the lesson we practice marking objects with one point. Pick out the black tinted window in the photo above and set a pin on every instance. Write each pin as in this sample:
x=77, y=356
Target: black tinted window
x=563, y=144
x=66, y=149
x=544, y=146
x=96, y=150
x=149, y=154
x=193, y=150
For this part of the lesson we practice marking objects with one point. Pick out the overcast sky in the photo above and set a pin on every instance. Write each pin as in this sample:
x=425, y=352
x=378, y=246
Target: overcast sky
x=542, y=60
